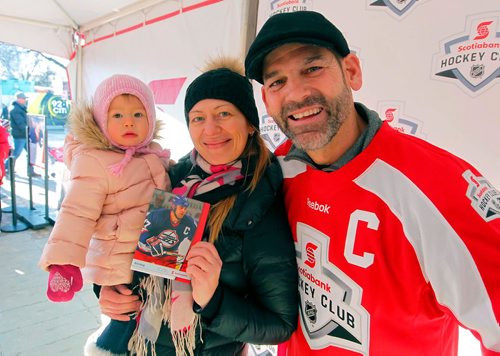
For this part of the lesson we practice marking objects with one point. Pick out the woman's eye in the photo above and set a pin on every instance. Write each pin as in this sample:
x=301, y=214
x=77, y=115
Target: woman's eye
x=224, y=114
x=196, y=119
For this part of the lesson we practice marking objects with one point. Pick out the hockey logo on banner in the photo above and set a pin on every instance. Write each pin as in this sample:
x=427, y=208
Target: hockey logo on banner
x=393, y=113
x=271, y=133
x=282, y=6
x=472, y=58
x=397, y=7
x=331, y=313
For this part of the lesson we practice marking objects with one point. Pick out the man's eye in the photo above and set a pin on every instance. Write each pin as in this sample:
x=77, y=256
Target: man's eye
x=276, y=83
x=313, y=69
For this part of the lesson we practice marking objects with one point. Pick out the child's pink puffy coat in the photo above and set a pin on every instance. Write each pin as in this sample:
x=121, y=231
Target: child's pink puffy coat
x=101, y=217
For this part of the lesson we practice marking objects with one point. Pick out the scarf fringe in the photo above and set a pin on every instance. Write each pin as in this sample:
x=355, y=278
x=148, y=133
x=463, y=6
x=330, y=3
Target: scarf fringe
x=138, y=345
x=184, y=340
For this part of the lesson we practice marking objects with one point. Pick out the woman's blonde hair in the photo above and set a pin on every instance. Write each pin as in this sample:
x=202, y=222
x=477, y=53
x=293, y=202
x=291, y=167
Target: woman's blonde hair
x=218, y=212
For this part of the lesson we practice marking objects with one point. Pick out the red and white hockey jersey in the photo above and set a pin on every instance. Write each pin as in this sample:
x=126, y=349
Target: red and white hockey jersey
x=395, y=250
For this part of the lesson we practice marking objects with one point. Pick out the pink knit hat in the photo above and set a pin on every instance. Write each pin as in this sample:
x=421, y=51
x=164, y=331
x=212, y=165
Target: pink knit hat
x=109, y=89
x=116, y=85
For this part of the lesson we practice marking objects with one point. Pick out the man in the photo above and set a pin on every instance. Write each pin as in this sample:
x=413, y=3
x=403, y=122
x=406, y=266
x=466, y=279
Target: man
x=167, y=233
x=18, y=124
x=398, y=241
x=5, y=112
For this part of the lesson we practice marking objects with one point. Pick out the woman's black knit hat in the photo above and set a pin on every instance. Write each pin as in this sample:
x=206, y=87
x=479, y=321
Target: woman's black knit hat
x=223, y=84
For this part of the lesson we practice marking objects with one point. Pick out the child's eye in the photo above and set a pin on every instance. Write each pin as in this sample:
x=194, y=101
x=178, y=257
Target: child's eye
x=138, y=115
x=117, y=115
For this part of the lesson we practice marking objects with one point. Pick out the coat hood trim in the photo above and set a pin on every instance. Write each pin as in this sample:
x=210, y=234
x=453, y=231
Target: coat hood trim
x=83, y=127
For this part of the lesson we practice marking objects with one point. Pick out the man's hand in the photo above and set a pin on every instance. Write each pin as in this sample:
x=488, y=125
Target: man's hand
x=204, y=266
x=118, y=301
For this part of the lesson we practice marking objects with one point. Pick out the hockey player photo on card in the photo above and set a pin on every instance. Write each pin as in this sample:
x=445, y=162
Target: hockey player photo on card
x=173, y=223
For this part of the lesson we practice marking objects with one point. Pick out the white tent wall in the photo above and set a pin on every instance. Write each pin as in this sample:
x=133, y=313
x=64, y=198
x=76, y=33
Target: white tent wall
x=173, y=48
x=401, y=46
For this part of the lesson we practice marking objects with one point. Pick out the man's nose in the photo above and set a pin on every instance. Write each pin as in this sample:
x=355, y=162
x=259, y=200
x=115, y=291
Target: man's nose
x=297, y=89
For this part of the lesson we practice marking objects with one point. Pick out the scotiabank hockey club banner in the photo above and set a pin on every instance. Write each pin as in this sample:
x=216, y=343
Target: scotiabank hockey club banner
x=430, y=69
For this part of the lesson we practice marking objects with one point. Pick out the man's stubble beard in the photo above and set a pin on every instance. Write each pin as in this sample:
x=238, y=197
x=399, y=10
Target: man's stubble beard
x=317, y=135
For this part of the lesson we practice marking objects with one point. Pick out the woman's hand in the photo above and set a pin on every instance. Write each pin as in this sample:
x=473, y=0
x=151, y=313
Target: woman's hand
x=117, y=301
x=204, y=266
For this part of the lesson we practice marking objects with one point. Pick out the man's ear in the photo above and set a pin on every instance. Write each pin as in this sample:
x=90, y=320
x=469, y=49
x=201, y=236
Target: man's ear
x=352, y=71
x=263, y=94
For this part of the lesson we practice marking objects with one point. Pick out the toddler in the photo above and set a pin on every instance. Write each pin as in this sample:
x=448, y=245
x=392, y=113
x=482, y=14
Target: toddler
x=114, y=167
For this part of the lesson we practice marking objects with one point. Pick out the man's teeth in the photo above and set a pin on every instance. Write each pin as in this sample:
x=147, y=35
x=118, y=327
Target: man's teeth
x=306, y=113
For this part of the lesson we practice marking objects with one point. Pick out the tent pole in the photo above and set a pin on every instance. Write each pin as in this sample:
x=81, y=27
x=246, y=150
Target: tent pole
x=249, y=30
x=79, y=65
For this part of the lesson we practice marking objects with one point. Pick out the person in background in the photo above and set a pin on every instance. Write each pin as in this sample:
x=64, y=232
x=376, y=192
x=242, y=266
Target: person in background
x=115, y=166
x=397, y=240
x=18, y=124
x=4, y=115
x=35, y=142
x=243, y=274
x=4, y=154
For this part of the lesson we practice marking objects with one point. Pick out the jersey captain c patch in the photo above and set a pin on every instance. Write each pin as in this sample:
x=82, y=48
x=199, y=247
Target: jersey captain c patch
x=485, y=199
x=330, y=302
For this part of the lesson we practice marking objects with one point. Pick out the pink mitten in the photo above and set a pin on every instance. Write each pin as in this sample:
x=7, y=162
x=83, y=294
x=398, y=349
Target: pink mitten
x=64, y=281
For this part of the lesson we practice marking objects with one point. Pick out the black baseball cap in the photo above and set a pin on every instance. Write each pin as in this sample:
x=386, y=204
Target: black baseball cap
x=307, y=27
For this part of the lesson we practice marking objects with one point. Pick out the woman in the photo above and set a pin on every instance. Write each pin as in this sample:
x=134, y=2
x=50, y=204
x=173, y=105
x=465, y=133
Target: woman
x=244, y=274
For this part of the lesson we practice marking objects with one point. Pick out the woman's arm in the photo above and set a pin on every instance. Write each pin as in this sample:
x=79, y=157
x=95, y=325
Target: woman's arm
x=267, y=314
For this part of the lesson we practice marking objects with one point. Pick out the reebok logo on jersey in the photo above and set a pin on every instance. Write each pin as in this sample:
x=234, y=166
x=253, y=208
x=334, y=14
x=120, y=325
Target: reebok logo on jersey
x=314, y=205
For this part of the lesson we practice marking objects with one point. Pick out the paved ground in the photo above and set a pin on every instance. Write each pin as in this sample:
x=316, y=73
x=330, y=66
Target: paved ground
x=31, y=324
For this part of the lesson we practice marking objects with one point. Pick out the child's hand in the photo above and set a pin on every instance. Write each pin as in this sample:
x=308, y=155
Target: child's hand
x=64, y=282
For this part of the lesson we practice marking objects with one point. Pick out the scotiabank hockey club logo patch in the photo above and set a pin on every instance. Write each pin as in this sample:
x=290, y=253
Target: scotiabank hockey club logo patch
x=271, y=133
x=471, y=59
x=395, y=7
x=393, y=113
x=485, y=199
x=331, y=313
